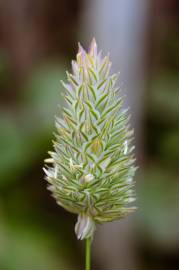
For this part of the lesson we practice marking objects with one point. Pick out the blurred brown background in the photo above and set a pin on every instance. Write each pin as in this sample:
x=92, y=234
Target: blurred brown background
x=38, y=39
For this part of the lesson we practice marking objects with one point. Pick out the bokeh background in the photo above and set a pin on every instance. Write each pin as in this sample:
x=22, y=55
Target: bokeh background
x=38, y=39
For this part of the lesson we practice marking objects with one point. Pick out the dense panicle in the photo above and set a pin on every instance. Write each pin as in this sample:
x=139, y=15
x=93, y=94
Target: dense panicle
x=91, y=172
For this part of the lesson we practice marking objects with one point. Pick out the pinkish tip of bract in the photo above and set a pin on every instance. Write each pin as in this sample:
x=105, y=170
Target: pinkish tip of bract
x=93, y=48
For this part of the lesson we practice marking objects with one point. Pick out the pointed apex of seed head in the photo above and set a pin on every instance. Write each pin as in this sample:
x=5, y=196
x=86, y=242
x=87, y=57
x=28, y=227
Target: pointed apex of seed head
x=93, y=48
x=80, y=48
x=81, y=54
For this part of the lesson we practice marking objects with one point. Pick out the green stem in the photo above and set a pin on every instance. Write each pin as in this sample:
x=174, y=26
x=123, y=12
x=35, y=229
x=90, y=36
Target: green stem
x=88, y=254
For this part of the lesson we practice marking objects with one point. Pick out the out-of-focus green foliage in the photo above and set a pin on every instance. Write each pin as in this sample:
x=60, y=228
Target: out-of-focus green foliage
x=169, y=147
x=158, y=185
x=164, y=98
x=29, y=248
x=41, y=96
x=158, y=206
x=13, y=149
x=26, y=133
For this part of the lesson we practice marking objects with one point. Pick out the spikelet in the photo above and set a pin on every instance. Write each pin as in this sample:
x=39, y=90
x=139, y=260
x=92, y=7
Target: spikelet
x=92, y=165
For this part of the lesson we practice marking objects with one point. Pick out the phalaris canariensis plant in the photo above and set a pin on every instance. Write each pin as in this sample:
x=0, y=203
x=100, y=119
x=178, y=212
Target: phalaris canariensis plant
x=90, y=171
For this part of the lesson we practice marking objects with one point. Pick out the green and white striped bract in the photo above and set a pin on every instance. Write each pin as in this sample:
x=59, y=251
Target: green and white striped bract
x=91, y=171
